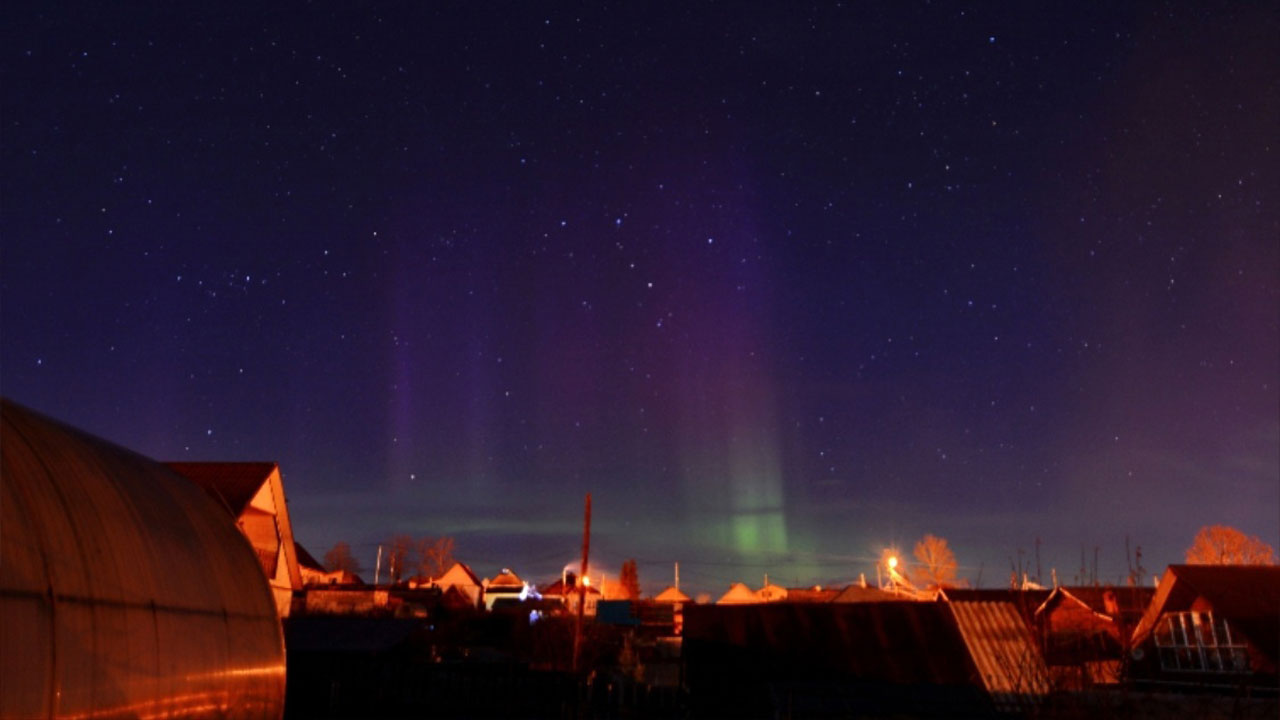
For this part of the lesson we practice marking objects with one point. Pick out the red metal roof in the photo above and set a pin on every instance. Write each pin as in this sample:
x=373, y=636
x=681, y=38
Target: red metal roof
x=233, y=484
x=305, y=559
x=1248, y=596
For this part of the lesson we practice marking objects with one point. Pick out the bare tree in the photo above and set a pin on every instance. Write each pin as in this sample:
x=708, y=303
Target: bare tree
x=435, y=555
x=339, y=557
x=937, y=564
x=1225, y=545
x=400, y=556
x=629, y=579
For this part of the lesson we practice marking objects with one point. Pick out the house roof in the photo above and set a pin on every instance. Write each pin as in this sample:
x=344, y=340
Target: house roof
x=1129, y=600
x=232, y=484
x=738, y=594
x=1246, y=595
x=457, y=574
x=856, y=593
x=305, y=559
x=812, y=595
x=506, y=578
x=771, y=590
x=672, y=595
x=557, y=589
x=1009, y=665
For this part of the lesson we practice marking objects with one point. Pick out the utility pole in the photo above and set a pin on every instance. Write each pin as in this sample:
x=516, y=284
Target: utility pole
x=377, y=568
x=582, y=585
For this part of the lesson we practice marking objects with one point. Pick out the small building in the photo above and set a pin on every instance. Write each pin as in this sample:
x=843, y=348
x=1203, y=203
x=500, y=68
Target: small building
x=771, y=592
x=672, y=595
x=677, y=600
x=125, y=591
x=1084, y=632
x=738, y=594
x=815, y=594
x=858, y=594
x=314, y=574
x=565, y=591
x=1211, y=626
x=253, y=493
x=506, y=585
x=460, y=579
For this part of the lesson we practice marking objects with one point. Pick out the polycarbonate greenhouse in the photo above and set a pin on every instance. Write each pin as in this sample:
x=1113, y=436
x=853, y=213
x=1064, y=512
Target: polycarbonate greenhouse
x=125, y=591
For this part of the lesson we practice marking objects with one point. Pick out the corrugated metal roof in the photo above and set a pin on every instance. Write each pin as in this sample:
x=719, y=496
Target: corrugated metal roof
x=1009, y=665
x=305, y=559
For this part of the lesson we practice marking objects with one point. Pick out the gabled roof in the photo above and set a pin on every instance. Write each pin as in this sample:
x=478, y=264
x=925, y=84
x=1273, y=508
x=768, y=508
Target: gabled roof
x=557, y=589
x=232, y=484
x=857, y=593
x=305, y=559
x=775, y=592
x=1129, y=600
x=506, y=578
x=455, y=599
x=1248, y=596
x=738, y=594
x=672, y=595
x=457, y=574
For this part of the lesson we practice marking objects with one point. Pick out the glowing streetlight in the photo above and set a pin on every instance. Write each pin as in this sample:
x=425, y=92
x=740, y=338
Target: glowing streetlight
x=893, y=561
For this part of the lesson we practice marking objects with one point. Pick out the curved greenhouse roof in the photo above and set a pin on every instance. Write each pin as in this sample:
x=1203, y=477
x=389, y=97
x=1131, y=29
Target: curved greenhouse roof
x=124, y=589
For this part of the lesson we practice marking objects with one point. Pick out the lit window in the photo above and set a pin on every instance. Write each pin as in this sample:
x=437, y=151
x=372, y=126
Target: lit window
x=1199, y=642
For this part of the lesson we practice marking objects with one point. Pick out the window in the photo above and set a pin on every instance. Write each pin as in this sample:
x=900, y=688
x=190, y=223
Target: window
x=1199, y=642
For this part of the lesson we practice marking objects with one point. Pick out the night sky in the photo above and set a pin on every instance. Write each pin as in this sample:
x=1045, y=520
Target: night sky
x=779, y=284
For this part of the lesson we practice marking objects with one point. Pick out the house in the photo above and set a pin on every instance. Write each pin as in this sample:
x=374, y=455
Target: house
x=738, y=594
x=461, y=579
x=858, y=594
x=771, y=592
x=677, y=600
x=253, y=494
x=1211, y=626
x=565, y=590
x=672, y=595
x=1084, y=631
x=314, y=574
x=506, y=585
x=815, y=594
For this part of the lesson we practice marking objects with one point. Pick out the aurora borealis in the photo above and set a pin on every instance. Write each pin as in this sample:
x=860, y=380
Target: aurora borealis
x=778, y=285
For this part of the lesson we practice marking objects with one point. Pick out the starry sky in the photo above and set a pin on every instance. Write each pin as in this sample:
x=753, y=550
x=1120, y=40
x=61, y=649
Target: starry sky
x=779, y=284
